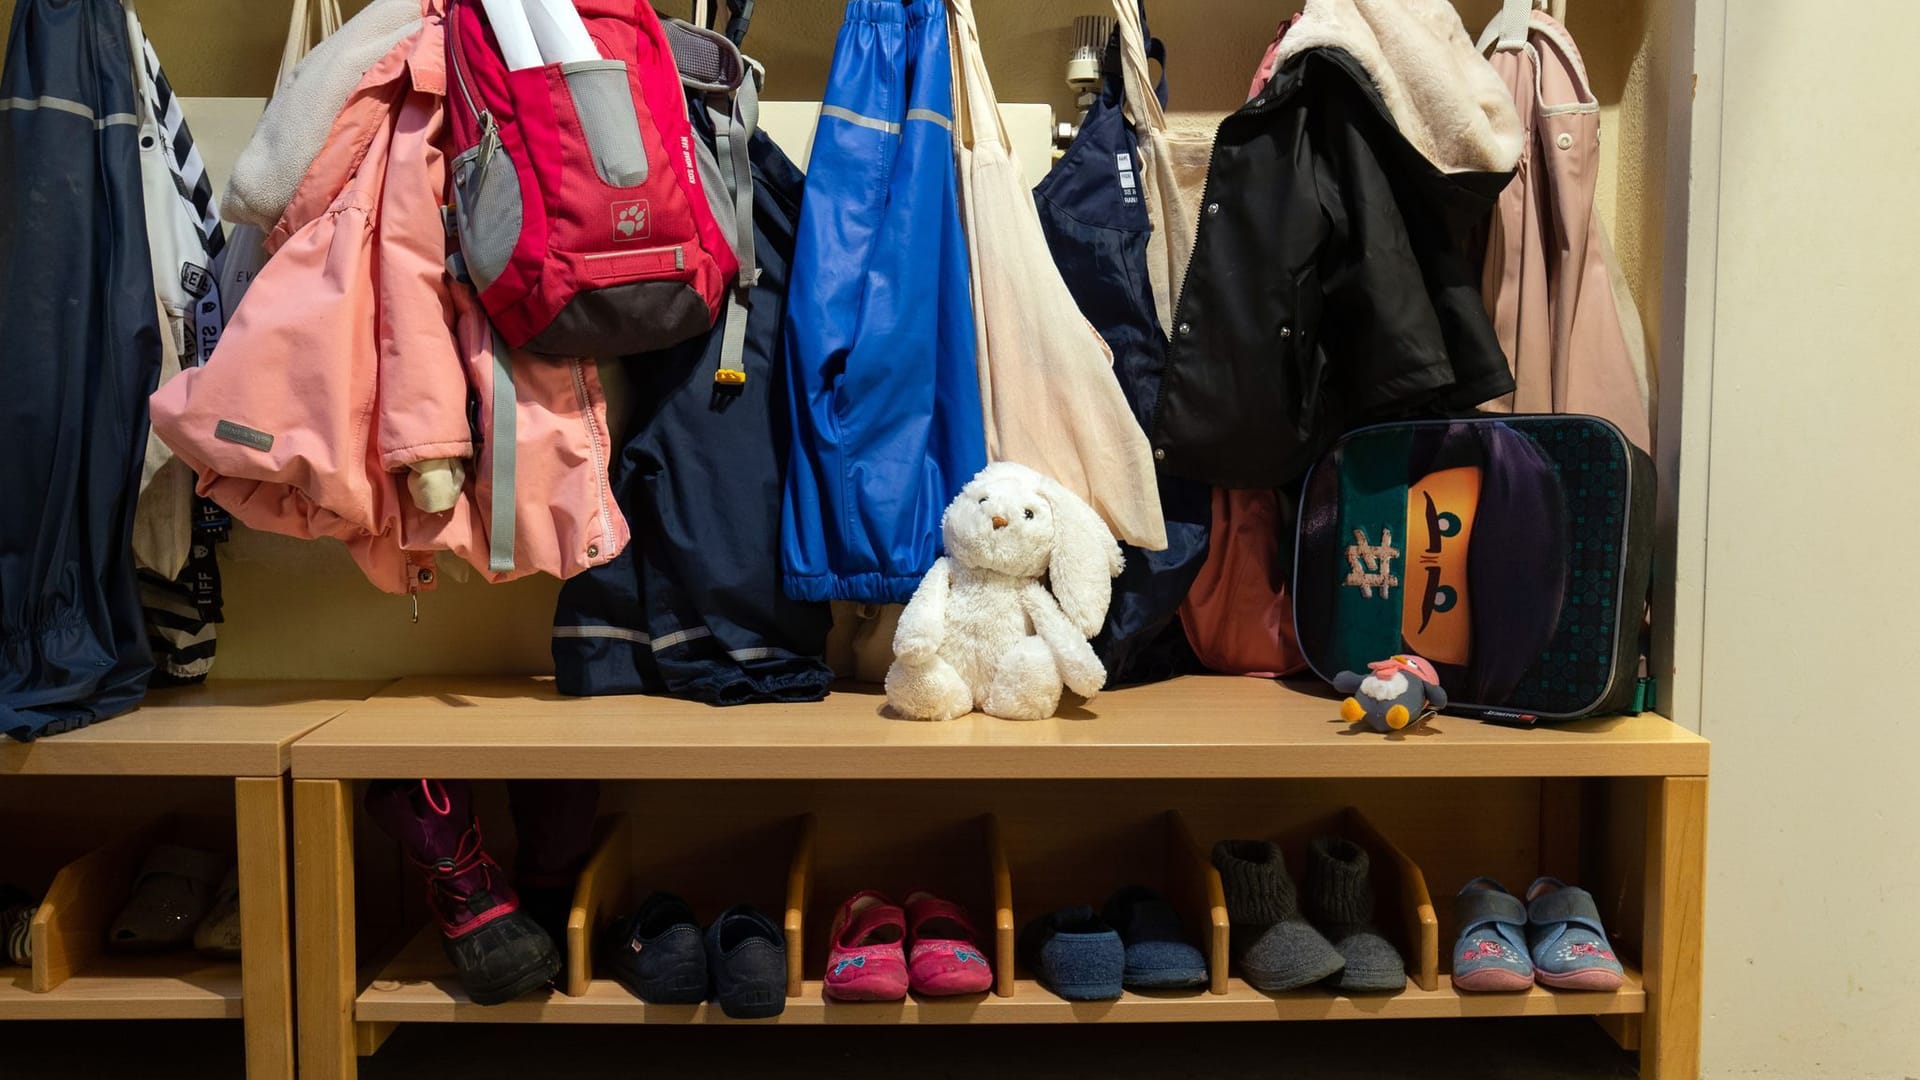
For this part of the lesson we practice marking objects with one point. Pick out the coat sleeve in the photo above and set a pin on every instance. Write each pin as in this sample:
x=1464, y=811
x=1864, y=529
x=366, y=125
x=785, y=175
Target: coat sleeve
x=423, y=386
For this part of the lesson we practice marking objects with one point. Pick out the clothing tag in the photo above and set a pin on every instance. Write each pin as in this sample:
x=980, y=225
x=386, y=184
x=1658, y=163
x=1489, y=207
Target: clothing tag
x=1129, y=188
x=228, y=431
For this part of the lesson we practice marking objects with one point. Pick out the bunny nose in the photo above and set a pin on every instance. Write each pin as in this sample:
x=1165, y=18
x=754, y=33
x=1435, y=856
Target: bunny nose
x=999, y=522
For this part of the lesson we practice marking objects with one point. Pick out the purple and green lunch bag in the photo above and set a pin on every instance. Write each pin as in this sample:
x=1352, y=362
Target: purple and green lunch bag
x=1512, y=552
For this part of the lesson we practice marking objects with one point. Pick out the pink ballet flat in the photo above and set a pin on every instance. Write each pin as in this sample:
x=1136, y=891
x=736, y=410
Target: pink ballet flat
x=869, y=959
x=946, y=954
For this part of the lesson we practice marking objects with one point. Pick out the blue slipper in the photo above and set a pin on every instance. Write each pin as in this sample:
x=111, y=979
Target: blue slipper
x=1075, y=954
x=1491, y=953
x=1570, y=947
x=1158, y=954
x=658, y=953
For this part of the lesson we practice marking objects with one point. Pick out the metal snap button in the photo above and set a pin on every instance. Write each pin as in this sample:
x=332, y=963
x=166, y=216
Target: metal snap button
x=1213, y=208
x=1159, y=453
x=426, y=577
x=1185, y=329
x=1565, y=141
x=593, y=551
x=1286, y=332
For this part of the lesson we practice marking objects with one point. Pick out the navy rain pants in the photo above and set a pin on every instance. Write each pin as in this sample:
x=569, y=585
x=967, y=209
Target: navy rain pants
x=693, y=606
x=81, y=354
x=1097, y=227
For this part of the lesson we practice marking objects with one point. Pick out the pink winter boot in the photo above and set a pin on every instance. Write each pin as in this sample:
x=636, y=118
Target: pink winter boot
x=498, y=950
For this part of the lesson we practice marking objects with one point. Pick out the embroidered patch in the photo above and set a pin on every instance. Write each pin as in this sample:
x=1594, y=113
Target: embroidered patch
x=1485, y=950
x=1371, y=565
x=1584, y=950
x=847, y=962
x=965, y=957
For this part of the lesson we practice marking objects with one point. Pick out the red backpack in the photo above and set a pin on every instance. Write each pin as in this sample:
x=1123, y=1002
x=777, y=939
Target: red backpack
x=581, y=216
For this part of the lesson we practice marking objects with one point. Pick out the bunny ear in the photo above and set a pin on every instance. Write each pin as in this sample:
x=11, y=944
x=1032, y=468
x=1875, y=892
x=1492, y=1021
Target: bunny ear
x=1086, y=558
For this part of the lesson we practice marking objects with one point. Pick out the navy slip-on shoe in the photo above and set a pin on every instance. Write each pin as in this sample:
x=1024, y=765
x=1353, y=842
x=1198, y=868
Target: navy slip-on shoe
x=1158, y=954
x=1075, y=954
x=747, y=958
x=658, y=953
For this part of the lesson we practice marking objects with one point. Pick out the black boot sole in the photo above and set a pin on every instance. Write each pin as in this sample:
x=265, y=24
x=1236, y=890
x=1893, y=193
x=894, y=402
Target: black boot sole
x=524, y=982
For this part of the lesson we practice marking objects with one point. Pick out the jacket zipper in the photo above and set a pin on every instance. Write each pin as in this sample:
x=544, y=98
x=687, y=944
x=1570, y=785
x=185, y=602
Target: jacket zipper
x=489, y=130
x=595, y=449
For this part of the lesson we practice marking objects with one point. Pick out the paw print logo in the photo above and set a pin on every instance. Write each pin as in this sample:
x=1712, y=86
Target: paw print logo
x=631, y=221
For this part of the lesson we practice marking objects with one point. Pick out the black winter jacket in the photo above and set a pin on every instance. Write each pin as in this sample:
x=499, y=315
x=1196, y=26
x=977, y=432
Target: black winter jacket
x=1333, y=281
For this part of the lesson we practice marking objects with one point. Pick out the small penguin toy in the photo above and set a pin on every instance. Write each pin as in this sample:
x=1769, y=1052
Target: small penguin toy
x=1396, y=694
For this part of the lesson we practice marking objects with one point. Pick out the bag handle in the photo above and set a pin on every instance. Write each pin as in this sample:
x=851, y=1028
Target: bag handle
x=1143, y=106
x=300, y=40
x=970, y=68
x=1508, y=30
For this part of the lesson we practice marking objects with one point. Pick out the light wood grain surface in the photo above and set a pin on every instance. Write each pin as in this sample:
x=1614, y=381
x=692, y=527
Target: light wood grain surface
x=1200, y=726
x=167, y=986
x=428, y=991
x=236, y=728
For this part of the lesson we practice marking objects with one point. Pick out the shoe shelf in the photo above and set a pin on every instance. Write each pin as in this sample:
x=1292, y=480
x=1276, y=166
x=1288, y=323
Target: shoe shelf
x=1194, y=727
x=794, y=808
x=205, y=765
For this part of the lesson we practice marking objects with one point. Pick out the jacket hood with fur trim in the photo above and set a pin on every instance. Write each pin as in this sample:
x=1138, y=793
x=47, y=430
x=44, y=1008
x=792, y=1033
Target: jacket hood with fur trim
x=1444, y=96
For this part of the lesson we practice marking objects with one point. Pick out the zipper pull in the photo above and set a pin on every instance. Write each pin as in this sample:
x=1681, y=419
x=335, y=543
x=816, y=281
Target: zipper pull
x=489, y=139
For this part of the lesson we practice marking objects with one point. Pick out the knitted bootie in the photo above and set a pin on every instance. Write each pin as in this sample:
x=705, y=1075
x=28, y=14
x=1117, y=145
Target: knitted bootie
x=1339, y=900
x=1272, y=943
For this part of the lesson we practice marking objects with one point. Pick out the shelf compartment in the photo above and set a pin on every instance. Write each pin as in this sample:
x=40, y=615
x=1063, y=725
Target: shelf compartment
x=164, y=986
x=620, y=873
x=1060, y=861
x=1403, y=910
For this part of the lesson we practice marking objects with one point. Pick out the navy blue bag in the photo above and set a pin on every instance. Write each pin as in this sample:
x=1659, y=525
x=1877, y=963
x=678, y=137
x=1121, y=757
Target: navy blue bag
x=82, y=353
x=1096, y=222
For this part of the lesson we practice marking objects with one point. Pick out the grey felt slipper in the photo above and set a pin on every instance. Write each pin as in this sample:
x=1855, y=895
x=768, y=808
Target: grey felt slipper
x=1339, y=900
x=1275, y=947
x=171, y=895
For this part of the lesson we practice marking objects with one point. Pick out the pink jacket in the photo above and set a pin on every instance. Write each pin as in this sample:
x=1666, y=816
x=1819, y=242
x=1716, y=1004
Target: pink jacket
x=354, y=356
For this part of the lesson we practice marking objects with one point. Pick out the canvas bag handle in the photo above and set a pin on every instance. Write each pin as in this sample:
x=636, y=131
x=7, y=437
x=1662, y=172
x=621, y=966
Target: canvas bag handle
x=970, y=70
x=300, y=38
x=1508, y=30
x=1143, y=102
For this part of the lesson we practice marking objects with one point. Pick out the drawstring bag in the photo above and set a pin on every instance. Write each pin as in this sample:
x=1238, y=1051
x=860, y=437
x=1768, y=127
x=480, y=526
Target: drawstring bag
x=1170, y=246
x=246, y=250
x=1046, y=377
x=880, y=334
x=1099, y=227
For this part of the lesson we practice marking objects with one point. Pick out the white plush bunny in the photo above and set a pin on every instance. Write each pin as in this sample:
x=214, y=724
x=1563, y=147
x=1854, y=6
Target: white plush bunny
x=982, y=630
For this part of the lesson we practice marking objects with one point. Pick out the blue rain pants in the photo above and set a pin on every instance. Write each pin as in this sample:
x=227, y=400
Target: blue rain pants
x=880, y=339
x=693, y=606
x=81, y=354
x=1097, y=227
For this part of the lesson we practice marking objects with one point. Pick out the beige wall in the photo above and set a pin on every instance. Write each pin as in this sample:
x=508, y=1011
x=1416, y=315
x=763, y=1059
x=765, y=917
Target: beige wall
x=1810, y=629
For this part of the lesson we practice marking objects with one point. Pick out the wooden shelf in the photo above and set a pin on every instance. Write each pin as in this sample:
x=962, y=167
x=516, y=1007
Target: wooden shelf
x=1194, y=727
x=237, y=728
x=168, y=986
x=440, y=999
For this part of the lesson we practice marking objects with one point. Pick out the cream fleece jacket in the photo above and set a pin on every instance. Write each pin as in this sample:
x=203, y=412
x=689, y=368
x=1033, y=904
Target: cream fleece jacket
x=302, y=112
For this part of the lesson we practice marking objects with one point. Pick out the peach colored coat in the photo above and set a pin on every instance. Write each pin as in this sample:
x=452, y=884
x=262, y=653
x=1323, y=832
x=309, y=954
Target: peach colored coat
x=354, y=356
